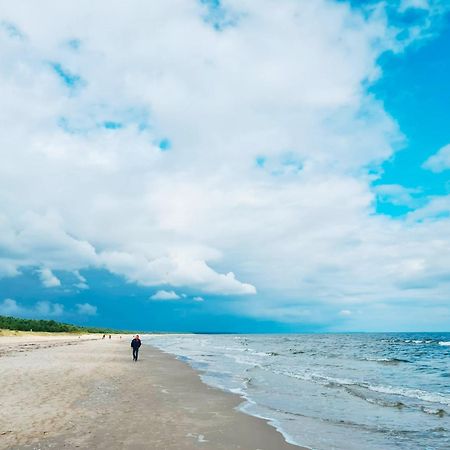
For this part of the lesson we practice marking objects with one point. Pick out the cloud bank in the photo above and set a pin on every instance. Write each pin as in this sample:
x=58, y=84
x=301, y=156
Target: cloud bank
x=44, y=309
x=41, y=309
x=228, y=149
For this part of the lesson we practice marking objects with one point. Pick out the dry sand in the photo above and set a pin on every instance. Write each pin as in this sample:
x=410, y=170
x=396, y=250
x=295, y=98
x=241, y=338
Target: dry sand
x=84, y=392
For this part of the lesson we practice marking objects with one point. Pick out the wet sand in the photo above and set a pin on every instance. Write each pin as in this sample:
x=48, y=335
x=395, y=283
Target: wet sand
x=85, y=392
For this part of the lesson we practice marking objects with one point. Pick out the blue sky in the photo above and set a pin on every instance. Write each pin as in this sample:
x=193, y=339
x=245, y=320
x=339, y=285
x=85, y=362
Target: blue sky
x=280, y=168
x=414, y=89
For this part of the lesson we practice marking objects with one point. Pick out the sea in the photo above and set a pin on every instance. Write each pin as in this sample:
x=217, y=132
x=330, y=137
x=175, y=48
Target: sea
x=354, y=391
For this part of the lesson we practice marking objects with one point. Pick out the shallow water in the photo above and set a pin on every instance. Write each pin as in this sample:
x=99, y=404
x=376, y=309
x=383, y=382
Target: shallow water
x=333, y=391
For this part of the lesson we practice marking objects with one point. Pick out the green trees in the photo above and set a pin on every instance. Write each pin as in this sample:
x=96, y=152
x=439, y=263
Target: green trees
x=14, y=323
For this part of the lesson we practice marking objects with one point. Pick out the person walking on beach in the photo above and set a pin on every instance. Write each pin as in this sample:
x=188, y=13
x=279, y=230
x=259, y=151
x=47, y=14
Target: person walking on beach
x=135, y=344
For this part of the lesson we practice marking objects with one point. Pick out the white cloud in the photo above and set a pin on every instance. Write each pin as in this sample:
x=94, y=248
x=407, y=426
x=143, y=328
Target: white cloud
x=420, y=4
x=82, y=282
x=397, y=194
x=9, y=307
x=198, y=299
x=48, y=309
x=165, y=295
x=29, y=238
x=176, y=270
x=41, y=309
x=86, y=309
x=437, y=209
x=285, y=87
x=48, y=279
x=345, y=312
x=440, y=161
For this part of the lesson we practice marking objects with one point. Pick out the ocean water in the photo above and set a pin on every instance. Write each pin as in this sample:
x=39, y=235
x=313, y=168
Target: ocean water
x=333, y=391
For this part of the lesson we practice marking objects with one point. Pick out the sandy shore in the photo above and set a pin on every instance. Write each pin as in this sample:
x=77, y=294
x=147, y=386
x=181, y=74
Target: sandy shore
x=85, y=392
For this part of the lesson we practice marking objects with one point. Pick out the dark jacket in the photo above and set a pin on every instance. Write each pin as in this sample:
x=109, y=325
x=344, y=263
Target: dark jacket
x=136, y=343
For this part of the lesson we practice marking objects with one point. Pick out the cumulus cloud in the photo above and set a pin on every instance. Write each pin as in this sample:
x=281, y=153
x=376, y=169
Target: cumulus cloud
x=440, y=161
x=165, y=295
x=9, y=307
x=48, y=279
x=176, y=270
x=86, y=309
x=30, y=238
x=198, y=299
x=44, y=309
x=41, y=309
x=48, y=309
x=236, y=160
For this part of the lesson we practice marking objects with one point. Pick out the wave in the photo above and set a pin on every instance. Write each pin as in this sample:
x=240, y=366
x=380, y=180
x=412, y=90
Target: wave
x=411, y=393
x=435, y=412
x=394, y=404
x=375, y=401
x=254, y=369
x=417, y=394
x=295, y=352
x=387, y=360
x=321, y=379
x=375, y=428
x=427, y=341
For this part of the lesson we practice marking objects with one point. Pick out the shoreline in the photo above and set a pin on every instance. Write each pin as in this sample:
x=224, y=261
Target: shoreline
x=245, y=400
x=85, y=392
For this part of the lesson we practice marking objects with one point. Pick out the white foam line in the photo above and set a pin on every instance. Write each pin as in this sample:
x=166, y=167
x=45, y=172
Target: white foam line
x=273, y=422
x=248, y=401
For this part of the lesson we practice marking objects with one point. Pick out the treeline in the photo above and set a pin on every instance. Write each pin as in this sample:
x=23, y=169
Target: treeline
x=14, y=323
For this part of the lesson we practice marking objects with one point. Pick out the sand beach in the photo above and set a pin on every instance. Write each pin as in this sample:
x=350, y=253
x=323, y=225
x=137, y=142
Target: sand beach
x=66, y=391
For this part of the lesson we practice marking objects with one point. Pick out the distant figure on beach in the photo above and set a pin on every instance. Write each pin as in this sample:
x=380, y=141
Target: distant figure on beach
x=103, y=337
x=135, y=344
x=110, y=336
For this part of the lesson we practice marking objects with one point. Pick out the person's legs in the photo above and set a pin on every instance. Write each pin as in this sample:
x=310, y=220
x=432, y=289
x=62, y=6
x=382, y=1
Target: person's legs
x=134, y=354
x=137, y=351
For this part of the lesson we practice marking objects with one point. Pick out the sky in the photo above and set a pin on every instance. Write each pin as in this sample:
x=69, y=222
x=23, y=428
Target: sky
x=225, y=165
